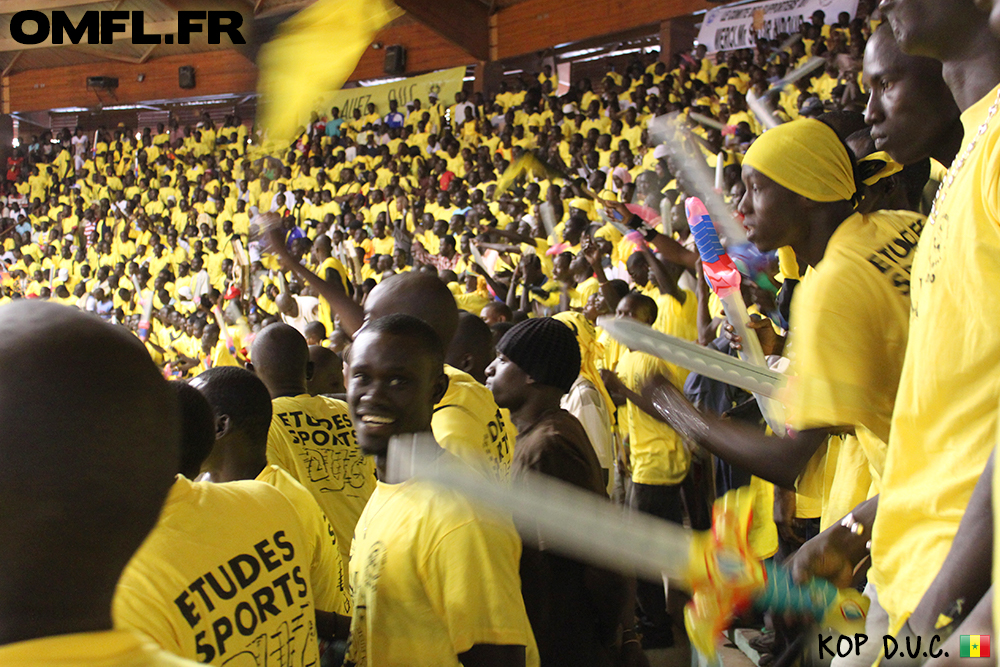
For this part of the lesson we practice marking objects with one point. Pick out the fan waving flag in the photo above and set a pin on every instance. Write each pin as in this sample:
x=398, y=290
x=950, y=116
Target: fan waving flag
x=974, y=646
x=314, y=53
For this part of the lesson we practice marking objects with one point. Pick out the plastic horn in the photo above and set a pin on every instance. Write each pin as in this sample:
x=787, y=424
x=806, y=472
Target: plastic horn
x=668, y=220
x=576, y=523
x=243, y=262
x=720, y=166
x=548, y=215
x=477, y=257
x=725, y=279
x=807, y=68
x=146, y=302
x=702, y=119
x=787, y=44
x=698, y=179
x=702, y=360
x=717, y=565
x=761, y=110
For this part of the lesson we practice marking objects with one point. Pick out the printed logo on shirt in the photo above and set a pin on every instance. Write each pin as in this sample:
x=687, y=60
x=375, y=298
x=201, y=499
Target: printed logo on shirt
x=895, y=258
x=364, y=597
x=332, y=460
x=264, y=585
x=498, y=437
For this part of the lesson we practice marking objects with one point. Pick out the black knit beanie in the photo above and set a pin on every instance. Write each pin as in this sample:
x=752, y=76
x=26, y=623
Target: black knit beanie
x=545, y=349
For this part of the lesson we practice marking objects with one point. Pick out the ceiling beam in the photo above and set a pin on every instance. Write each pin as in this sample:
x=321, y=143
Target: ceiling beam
x=10, y=65
x=462, y=22
x=14, y=6
x=147, y=54
x=156, y=28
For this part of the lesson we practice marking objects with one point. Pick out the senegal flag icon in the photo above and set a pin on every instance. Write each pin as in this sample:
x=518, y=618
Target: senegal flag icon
x=975, y=646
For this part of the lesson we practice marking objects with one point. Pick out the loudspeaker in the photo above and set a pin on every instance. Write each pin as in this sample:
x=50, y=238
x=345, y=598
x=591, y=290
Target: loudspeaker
x=185, y=76
x=395, y=60
x=101, y=83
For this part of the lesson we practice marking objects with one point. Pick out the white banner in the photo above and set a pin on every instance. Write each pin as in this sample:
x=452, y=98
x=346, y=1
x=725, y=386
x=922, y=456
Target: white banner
x=732, y=27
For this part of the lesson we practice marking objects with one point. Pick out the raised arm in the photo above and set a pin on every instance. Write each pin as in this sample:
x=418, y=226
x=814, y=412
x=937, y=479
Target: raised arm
x=777, y=460
x=512, y=291
x=512, y=236
x=666, y=282
x=499, y=247
x=498, y=287
x=670, y=249
x=592, y=253
x=350, y=313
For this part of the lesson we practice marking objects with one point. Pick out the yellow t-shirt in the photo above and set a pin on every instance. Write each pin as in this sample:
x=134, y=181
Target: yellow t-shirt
x=312, y=437
x=585, y=290
x=849, y=325
x=763, y=532
x=658, y=455
x=112, y=648
x=848, y=337
x=383, y=246
x=675, y=318
x=432, y=577
x=472, y=302
x=945, y=421
x=225, y=573
x=468, y=423
x=328, y=571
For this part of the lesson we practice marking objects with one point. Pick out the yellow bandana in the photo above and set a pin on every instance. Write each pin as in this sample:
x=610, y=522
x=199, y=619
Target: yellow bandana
x=807, y=157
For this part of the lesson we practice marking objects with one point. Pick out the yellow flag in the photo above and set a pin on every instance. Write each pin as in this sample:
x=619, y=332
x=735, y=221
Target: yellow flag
x=313, y=54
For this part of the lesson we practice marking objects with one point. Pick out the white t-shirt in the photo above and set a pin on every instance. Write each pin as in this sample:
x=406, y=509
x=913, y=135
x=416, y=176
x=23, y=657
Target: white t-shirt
x=586, y=404
x=80, y=145
x=308, y=308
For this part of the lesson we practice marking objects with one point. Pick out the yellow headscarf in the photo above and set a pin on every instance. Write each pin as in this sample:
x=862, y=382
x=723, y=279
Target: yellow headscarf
x=590, y=351
x=807, y=157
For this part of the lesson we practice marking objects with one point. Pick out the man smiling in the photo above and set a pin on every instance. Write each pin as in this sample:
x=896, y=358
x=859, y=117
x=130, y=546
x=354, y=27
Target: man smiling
x=435, y=581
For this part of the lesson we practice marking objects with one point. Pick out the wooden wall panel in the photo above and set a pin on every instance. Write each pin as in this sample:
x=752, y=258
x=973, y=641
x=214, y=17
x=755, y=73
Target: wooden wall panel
x=216, y=73
x=534, y=25
x=426, y=51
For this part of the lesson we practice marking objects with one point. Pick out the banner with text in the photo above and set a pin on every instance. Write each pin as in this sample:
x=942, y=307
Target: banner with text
x=445, y=83
x=733, y=27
